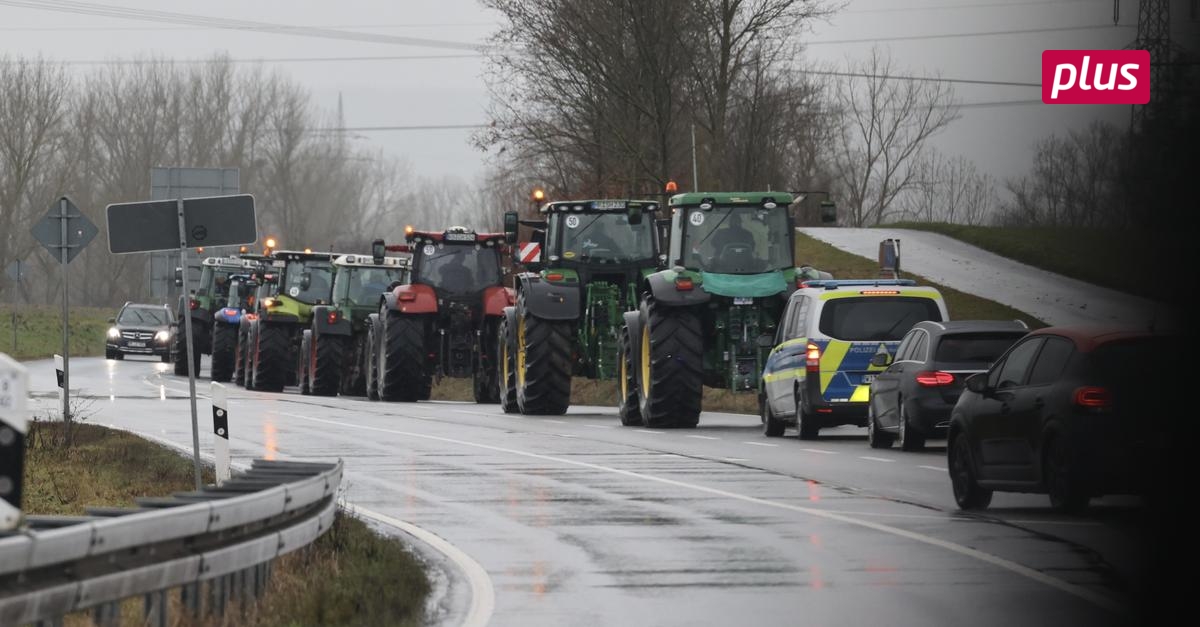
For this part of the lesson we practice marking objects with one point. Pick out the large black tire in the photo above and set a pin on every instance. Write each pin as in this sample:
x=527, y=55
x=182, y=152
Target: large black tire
x=325, y=368
x=672, y=368
x=876, y=436
x=305, y=362
x=354, y=377
x=224, y=352
x=248, y=356
x=543, y=363
x=403, y=375
x=239, y=366
x=1067, y=491
x=772, y=426
x=486, y=378
x=180, y=352
x=271, y=358
x=506, y=379
x=967, y=491
x=374, y=335
x=627, y=389
x=805, y=424
x=910, y=439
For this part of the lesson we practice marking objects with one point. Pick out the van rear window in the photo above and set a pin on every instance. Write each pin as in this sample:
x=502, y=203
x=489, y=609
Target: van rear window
x=875, y=318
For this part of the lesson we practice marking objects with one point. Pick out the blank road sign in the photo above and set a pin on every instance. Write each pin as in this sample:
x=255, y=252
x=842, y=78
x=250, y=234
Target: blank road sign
x=154, y=225
x=48, y=230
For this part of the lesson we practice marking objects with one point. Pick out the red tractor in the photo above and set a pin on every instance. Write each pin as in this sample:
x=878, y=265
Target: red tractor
x=444, y=323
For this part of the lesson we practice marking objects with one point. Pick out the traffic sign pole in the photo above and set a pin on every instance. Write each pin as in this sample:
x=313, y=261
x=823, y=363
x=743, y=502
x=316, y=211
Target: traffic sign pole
x=64, y=218
x=191, y=362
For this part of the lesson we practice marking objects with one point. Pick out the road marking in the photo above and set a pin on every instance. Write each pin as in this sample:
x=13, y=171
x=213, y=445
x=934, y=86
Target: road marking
x=557, y=422
x=649, y=431
x=599, y=426
x=475, y=413
x=818, y=450
x=934, y=468
x=564, y=435
x=1095, y=598
x=702, y=437
x=760, y=444
x=735, y=459
x=876, y=459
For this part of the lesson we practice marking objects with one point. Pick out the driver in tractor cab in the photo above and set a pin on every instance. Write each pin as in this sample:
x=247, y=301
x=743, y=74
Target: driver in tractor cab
x=735, y=239
x=600, y=239
x=456, y=273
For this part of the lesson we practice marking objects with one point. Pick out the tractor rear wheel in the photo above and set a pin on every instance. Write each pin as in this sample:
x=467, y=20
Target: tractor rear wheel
x=325, y=366
x=270, y=358
x=403, y=375
x=487, y=371
x=371, y=355
x=223, y=352
x=506, y=380
x=671, y=369
x=627, y=401
x=543, y=358
x=304, y=362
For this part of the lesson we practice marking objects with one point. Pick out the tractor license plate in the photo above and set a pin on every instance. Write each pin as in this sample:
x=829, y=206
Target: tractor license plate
x=743, y=300
x=137, y=345
x=868, y=379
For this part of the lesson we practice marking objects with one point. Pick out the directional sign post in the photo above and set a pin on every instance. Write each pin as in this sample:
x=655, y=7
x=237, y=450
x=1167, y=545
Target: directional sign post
x=138, y=227
x=64, y=231
x=17, y=271
x=14, y=383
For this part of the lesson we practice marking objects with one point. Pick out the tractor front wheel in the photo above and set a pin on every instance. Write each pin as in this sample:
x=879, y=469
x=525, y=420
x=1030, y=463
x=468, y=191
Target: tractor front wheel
x=325, y=365
x=627, y=401
x=671, y=367
x=487, y=371
x=543, y=358
x=224, y=352
x=270, y=358
x=506, y=380
x=403, y=375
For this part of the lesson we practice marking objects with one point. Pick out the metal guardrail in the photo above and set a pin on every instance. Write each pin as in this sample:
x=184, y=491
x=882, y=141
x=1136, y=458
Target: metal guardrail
x=223, y=537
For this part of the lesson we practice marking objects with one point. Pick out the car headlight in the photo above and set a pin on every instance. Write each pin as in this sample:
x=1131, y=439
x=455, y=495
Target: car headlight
x=114, y=333
x=162, y=336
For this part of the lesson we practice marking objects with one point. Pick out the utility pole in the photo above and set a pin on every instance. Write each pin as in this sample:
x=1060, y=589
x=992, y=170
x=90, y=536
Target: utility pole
x=1153, y=35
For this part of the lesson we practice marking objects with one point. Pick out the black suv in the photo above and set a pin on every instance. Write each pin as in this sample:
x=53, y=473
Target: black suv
x=140, y=330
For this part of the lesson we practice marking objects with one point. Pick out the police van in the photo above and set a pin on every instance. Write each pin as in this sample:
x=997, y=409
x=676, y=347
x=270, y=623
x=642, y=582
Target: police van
x=819, y=373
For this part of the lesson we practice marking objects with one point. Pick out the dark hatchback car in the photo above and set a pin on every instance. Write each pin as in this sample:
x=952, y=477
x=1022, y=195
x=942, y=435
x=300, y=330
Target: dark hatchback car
x=140, y=330
x=1074, y=413
x=913, y=398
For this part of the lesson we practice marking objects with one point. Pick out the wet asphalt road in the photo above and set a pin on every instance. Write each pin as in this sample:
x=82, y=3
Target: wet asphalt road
x=577, y=520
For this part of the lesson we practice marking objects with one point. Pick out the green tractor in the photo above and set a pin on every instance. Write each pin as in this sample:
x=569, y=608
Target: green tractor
x=567, y=317
x=335, y=351
x=269, y=337
x=710, y=319
x=210, y=296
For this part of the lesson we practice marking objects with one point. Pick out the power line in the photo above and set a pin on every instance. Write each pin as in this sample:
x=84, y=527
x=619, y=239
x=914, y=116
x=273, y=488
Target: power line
x=990, y=33
x=924, y=79
x=37, y=29
x=403, y=57
x=968, y=6
x=167, y=17
x=409, y=127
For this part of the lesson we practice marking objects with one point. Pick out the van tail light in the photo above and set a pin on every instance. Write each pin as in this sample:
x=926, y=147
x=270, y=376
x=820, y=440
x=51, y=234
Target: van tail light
x=684, y=284
x=812, y=358
x=934, y=379
x=1093, y=397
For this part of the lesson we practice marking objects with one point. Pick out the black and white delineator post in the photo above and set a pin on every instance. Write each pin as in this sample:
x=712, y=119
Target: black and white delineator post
x=61, y=376
x=14, y=384
x=220, y=412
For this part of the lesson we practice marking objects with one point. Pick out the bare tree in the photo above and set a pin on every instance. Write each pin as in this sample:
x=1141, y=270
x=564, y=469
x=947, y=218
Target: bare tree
x=1074, y=181
x=887, y=120
x=948, y=190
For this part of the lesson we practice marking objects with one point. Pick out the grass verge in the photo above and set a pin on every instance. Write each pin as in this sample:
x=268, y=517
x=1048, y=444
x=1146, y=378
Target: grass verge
x=39, y=330
x=349, y=576
x=1115, y=259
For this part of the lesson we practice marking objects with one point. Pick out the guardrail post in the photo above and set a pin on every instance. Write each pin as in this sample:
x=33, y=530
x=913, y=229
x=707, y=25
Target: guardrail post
x=189, y=595
x=50, y=622
x=107, y=614
x=154, y=606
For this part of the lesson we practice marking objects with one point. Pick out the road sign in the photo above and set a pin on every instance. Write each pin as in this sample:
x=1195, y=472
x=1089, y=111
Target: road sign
x=14, y=386
x=173, y=183
x=138, y=227
x=80, y=231
x=17, y=270
x=529, y=252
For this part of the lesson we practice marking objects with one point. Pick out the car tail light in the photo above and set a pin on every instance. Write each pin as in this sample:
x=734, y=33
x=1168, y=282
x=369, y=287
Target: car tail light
x=407, y=297
x=554, y=276
x=332, y=318
x=1093, y=397
x=230, y=312
x=812, y=358
x=684, y=283
x=934, y=378
x=193, y=303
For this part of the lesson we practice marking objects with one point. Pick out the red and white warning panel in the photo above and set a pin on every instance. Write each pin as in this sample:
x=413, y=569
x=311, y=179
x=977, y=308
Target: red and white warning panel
x=529, y=252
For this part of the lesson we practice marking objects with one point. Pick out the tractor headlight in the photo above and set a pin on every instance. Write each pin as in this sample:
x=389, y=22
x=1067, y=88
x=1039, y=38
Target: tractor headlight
x=114, y=333
x=162, y=336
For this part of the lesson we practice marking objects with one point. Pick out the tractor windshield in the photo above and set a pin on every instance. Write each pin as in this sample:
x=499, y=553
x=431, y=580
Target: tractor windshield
x=736, y=240
x=363, y=286
x=458, y=269
x=606, y=238
x=214, y=281
x=316, y=287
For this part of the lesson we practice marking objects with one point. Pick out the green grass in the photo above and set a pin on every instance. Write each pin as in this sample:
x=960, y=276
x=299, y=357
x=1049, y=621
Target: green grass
x=348, y=576
x=39, y=330
x=1121, y=260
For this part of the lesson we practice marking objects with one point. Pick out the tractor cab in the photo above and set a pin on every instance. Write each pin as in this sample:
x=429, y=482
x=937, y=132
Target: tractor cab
x=458, y=263
x=300, y=280
x=360, y=280
x=732, y=234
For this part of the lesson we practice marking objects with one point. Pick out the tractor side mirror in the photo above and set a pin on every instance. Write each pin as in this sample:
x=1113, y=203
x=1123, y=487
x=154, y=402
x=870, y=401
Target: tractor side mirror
x=511, y=223
x=828, y=212
x=881, y=360
x=378, y=251
x=635, y=216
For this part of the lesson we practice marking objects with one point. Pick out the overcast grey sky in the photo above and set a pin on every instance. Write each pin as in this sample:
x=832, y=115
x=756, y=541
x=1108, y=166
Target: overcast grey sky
x=450, y=91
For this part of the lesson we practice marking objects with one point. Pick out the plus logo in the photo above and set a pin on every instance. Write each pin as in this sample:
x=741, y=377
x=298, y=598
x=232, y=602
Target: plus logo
x=1095, y=76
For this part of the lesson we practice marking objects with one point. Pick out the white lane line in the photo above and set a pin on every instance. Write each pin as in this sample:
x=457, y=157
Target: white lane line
x=876, y=459
x=599, y=426
x=477, y=413
x=649, y=431
x=1095, y=598
x=564, y=435
x=934, y=468
x=557, y=422
x=735, y=459
x=760, y=444
x=819, y=450
x=702, y=437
